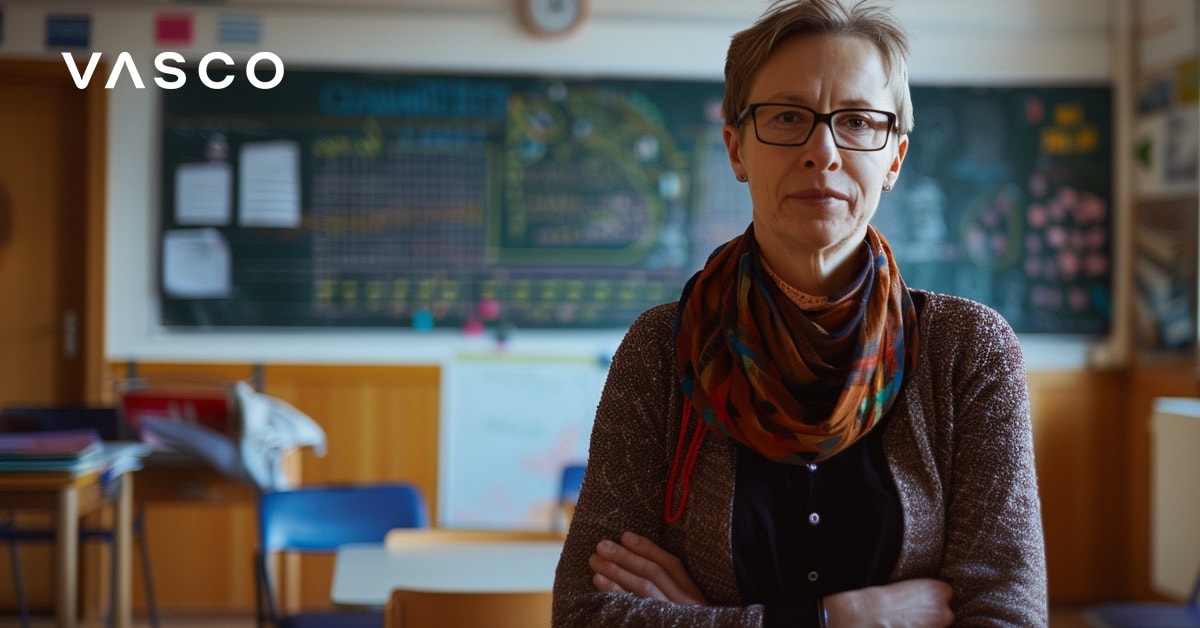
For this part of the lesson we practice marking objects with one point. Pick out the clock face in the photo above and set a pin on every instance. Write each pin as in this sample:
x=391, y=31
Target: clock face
x=547, y=17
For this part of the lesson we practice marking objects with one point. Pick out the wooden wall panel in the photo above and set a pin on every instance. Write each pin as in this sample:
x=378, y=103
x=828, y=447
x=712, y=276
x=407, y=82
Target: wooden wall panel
x=381, y=424
x=1078, y=419
x=202, y=557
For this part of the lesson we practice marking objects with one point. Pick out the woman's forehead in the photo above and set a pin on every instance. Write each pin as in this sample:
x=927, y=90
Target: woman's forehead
x=842, y=69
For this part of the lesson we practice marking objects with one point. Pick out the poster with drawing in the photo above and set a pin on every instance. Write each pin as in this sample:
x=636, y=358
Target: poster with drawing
x=510, y=423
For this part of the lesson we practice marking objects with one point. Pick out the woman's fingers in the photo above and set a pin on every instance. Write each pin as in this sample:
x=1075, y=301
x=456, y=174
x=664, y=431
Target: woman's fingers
x=664, y=569
x=638, y=566
x=621, y=570
x=917, y=603
x=602, y=583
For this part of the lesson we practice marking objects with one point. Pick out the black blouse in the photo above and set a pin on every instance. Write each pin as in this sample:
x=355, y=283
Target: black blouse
x=801, y=532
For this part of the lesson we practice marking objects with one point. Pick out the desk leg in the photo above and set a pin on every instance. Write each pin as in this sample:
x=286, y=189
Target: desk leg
x=67, y=555
x=122, y=548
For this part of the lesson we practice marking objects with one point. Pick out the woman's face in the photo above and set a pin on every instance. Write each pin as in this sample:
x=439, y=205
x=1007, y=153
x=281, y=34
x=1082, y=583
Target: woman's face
x=812, y=202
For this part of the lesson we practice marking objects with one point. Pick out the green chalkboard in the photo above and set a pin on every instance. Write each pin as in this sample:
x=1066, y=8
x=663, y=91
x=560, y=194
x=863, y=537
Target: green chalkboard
x=368, y=199
x=398, y=200
x=1004, y=197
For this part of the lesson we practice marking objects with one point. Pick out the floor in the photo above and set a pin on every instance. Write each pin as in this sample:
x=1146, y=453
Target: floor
x=1059, y=618
x=10, y=621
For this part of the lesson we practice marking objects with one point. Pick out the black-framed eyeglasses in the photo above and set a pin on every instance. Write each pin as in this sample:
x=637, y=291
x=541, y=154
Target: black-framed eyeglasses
x=781, y=124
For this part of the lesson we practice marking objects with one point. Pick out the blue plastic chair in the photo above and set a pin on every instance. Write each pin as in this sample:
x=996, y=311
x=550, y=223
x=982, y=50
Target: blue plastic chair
x=568, y=494
x=319, y=519
x=1148, y=614
x=107, y=422
x=572, y=480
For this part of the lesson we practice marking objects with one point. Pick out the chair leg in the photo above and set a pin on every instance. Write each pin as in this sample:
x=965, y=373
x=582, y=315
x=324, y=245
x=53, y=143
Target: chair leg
x=264, y=595
x=109, y=620
x=139, y=532
x=147, y=577
x=19, y=584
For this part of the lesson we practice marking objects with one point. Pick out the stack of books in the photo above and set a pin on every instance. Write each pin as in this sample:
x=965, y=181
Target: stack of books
x=75, y=451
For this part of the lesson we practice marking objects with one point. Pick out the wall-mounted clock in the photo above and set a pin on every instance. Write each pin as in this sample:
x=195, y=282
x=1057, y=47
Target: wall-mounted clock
x=552, y=17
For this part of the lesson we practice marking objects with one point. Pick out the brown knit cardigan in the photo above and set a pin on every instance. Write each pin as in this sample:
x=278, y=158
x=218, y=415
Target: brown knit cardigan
x=959, y=445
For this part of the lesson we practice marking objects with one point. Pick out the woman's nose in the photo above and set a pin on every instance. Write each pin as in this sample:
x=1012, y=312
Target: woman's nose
x=820, y=150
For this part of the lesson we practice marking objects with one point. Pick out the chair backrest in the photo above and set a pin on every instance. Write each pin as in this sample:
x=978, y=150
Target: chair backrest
x=320, y=518
x=435, y=609
x=572, y=480
x=568, y=493
x=50, y=418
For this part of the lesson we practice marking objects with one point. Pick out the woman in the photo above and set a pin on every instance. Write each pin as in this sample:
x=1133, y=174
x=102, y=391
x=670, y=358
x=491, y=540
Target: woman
x=801, y=439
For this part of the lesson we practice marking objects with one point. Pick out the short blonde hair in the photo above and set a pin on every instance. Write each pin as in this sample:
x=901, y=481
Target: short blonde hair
x=785, y=19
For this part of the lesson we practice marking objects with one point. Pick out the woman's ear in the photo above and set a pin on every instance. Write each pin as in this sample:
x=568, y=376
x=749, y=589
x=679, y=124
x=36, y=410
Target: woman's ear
x=733, y=145
x=898, y=158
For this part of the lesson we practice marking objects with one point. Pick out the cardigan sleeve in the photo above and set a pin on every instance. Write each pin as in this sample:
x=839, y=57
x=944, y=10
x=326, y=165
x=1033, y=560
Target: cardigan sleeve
x=623, y=489
x=994, y=554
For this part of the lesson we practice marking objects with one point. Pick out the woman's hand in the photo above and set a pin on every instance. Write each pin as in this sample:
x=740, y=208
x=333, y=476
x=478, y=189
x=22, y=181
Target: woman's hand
x=917, y=603
x=638, y=566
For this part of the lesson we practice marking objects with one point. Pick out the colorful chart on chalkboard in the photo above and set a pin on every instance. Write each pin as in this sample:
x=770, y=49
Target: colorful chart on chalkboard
x=344, y=199
x=1004, y=198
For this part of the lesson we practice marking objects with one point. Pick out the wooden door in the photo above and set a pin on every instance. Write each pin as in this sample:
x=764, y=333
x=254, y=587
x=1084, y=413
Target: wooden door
x=43, y=220
x=51, y=268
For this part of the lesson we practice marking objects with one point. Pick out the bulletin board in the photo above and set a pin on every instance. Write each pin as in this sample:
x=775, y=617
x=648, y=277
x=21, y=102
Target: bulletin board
x=350, y=200
x=373, y=199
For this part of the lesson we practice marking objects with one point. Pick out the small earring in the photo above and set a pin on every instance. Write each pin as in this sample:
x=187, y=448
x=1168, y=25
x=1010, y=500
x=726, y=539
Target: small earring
x=887, y=186
x=743, y=178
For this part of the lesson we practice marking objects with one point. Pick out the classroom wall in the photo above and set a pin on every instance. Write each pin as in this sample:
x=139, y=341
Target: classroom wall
x=963, y=43
x=1083, y=418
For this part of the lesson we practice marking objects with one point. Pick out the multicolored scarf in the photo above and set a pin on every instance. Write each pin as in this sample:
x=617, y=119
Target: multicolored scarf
x=756, y=375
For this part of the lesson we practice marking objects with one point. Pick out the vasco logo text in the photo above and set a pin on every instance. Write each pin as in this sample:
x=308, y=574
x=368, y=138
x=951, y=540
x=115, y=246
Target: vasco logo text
x=173, y=77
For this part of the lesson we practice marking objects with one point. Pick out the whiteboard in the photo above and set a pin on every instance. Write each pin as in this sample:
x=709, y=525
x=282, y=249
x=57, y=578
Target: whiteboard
x=510, y=423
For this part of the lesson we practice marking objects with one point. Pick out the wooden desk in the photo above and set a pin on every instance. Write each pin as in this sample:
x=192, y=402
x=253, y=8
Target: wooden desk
x=71, y=496
x=365, y=574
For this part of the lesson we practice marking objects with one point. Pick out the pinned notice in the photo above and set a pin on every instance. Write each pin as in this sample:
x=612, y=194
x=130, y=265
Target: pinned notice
x=269, y=191
x=204, y=193
x=196, y=264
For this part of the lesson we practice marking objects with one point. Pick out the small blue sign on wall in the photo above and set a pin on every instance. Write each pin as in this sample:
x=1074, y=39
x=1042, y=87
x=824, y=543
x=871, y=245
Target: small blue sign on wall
x=239, y=29
x=68, y=31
